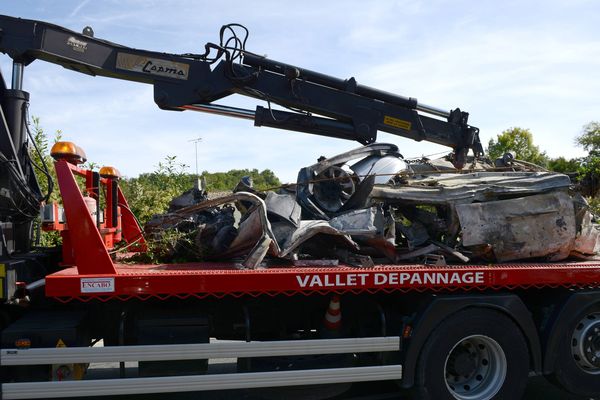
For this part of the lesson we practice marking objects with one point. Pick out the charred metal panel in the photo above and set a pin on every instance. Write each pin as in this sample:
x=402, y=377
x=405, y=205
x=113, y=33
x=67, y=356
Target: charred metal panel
x=283, y=207
x=367, y=221
x=309, y=229
x=587, y=242
x=534, y=226
x=478, y=186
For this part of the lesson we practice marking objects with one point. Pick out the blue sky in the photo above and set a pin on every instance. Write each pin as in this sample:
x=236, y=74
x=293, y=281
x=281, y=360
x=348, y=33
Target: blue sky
x=531, y=64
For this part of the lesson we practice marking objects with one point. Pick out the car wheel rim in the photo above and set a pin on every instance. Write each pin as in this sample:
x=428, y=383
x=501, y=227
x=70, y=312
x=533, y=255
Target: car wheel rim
x=585, y=344
x=475, y=368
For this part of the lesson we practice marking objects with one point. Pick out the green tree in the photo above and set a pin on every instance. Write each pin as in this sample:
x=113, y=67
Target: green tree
x=43, y=160
x=223, y=181
x=150, y=193
x=46, y=177
x=590, y=137
x=589, y=171
x=520, y=142
x=564, y=166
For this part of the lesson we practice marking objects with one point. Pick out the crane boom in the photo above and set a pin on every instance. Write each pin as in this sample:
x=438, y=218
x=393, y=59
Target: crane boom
x=320, y=104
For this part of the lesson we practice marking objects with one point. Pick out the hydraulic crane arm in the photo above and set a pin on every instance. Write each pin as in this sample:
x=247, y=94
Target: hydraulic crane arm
x=346, y=109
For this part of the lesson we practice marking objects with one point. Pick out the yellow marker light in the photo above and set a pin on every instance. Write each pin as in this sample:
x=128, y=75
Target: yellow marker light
x=68, y=151
x=110, y=172
x=23, y=343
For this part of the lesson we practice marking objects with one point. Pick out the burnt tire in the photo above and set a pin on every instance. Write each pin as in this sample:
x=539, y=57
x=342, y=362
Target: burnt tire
x=475, y=354
x=577, y=367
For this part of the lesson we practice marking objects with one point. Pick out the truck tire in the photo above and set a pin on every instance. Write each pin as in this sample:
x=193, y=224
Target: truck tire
x=577, y=368
x=475, y=354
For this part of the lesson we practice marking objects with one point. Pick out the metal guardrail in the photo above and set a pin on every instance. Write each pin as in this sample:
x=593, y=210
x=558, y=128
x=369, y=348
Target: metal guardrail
x=110, y=387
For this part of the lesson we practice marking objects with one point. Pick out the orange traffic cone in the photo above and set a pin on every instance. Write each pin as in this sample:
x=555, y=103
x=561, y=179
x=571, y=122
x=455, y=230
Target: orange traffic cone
x=333, y=316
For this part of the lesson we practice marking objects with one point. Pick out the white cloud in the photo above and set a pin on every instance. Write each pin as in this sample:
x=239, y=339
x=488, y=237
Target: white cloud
x=529, y=64
x=78, y=8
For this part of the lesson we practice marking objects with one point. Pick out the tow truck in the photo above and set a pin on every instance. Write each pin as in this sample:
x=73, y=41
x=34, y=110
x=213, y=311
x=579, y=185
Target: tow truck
x=441, y=331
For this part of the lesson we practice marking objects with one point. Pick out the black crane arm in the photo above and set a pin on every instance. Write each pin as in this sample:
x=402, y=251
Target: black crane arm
x=345, y=109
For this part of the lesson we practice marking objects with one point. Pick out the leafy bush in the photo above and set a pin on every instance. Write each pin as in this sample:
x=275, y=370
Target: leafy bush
x=45, y=239
x=222, y=181
x=150, y=193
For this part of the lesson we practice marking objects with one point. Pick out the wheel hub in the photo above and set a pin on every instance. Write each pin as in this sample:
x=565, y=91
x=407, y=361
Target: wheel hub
x=475, y=368
x=462, y=362
x=585, y=344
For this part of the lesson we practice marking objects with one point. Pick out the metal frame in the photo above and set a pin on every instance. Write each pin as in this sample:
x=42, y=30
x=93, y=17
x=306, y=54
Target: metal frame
x=86, y=241
x=11, y=357
x=109, y=387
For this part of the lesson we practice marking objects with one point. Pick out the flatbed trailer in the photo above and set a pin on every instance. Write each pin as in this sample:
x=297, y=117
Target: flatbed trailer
x=465, y=332
x=391, y=316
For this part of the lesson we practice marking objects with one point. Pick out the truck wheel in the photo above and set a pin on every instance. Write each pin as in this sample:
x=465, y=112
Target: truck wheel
x=577, y=367
x=475, y=354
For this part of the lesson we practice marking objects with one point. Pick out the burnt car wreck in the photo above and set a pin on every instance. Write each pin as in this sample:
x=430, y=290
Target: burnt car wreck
x=370, y=206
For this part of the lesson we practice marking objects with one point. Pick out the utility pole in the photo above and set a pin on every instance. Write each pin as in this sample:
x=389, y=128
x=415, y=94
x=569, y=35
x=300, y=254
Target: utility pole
x=198, y=185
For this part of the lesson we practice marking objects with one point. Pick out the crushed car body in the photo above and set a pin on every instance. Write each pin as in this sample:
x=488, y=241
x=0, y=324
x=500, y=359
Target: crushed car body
x=370, y=206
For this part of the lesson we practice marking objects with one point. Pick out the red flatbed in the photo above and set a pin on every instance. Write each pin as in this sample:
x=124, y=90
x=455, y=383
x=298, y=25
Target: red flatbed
x=226, y=279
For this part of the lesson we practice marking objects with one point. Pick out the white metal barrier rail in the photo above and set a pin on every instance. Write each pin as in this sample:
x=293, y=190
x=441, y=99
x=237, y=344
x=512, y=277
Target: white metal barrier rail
x=108, y=387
